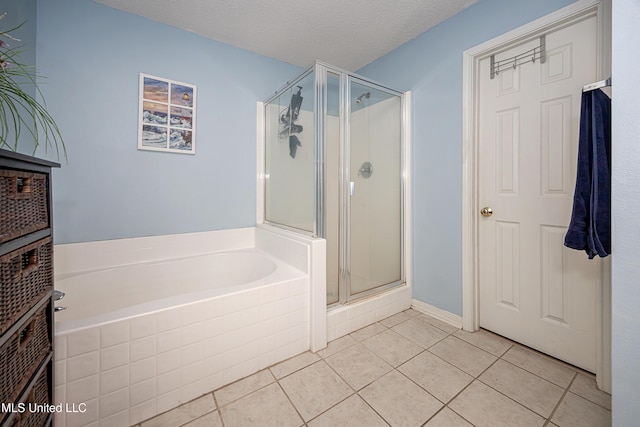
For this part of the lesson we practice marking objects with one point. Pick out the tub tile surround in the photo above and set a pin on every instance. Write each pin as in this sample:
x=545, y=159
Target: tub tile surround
x=428, y=389
x=132, y=369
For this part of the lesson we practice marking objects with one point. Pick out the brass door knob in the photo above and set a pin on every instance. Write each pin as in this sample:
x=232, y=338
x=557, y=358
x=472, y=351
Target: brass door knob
x=487, y=211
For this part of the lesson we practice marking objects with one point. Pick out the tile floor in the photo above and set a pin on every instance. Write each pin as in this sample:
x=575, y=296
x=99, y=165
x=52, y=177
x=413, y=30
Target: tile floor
x=407, y=370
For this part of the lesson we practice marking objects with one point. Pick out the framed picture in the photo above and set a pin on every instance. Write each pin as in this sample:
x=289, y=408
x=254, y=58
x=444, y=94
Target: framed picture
x=167, y=120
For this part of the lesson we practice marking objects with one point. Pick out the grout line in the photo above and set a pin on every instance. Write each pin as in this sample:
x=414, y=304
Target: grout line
x=242, y=396
x=460, y=415
x=373, y=409
x=561, y=398
x=434, y=415
x=534, y=374
x=492, y=333
x=202, y=416
x=218, y=408
x=220, y=416
x=304, y=422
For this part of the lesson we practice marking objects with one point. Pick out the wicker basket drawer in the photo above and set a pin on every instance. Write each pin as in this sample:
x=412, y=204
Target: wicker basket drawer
x=33, y=414
x=22, y=353
x=26, y=274
x=23, y=203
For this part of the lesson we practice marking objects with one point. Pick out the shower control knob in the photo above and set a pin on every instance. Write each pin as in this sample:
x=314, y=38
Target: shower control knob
x=486, y=211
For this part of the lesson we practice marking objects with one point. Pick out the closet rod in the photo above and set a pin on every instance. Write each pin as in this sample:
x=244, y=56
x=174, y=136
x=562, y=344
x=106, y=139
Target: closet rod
x=597, y=85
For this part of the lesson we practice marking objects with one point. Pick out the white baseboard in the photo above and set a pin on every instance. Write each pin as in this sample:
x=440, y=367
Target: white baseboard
x=438, y=313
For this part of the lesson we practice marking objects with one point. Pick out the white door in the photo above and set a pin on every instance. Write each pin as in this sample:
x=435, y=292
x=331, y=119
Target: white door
x=532, y=288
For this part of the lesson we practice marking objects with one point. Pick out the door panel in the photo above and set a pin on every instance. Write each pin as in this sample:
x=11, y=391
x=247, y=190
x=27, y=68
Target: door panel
x=532, y=288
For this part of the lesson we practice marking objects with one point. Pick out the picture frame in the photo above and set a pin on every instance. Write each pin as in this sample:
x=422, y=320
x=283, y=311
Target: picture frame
x=167, y=115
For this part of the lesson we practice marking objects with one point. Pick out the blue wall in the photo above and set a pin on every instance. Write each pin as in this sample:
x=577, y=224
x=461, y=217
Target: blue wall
x=92, y=56
x=626, y=205
x=431, y=66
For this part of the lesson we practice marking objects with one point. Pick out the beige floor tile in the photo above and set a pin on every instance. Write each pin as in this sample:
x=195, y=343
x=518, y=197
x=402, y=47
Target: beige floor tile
x=337, y=345
x=315, y=389
x=352, y=412
x=482, y=406
x=399, y=401
x=419, y=332
x=212, y=419
x=369, y=331
x=529, y=390
x=541, y=365
x=463, y=355
x=447, y=418
x=575, y=411
x=392, y=321
x=243, y=387
x=585, y=386
x=183, y=413
x=438, y=377
x=296, y=363
x=488, y=341
x=267, y=407
x=443, y=326
x=392, y=348
x=358, y=366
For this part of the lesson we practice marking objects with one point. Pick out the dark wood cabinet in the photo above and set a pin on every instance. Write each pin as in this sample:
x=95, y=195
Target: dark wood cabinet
x=26, y=291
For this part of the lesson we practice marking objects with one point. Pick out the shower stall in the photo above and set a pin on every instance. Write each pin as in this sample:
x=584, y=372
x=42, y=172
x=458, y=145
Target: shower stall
x=335, y=166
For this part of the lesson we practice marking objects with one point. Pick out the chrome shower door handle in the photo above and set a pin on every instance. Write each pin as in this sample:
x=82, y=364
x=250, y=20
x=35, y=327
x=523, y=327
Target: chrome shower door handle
x=365, y=170
x=352, y=188
x=58, y=295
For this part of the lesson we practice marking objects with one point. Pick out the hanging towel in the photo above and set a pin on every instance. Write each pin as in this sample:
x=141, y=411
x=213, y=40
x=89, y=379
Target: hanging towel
x=294, y=143
x=590, y=226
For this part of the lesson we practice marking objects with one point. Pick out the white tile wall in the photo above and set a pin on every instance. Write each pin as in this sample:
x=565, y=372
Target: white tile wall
x=290, y=247
x=133, y=369
x=134, y=380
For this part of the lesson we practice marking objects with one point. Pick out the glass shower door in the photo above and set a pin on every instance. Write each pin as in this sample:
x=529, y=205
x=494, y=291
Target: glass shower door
x=289, y=157
x=375, y=189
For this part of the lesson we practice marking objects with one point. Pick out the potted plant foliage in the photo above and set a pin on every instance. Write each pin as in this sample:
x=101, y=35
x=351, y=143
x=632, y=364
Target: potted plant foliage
x=19, y=110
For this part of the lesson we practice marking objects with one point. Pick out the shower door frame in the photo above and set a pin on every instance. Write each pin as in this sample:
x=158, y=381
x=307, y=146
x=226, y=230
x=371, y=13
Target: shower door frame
x=322, y=70
x=345, y=291
x=344, y=282
x=261, y=199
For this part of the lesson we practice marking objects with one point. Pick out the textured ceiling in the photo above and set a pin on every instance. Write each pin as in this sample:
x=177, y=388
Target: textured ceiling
x=345, y=33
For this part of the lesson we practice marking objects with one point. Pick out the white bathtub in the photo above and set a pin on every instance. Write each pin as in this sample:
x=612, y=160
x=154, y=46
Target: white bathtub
x=104, y=295
x=150, y=325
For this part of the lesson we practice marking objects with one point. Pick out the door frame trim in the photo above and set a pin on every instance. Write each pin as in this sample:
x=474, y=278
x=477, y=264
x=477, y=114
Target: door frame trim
x=470, y=169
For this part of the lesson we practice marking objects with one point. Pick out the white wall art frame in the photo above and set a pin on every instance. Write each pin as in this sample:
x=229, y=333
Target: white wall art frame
x=167, y=115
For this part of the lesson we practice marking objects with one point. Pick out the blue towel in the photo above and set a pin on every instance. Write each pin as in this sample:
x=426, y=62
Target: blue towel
x=590, y=227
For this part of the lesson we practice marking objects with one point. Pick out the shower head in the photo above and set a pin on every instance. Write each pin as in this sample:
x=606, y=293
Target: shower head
x=364, y=95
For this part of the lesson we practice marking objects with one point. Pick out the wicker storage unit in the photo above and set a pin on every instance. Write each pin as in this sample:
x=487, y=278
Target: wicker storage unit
x=25, y=277
x=23, y=203
x=21, y=354
x=26, y=290
x=34, y=414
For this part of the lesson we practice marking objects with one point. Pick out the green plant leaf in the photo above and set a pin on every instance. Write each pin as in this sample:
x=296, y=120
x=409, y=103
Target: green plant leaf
x=18, y=109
